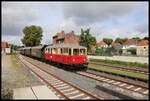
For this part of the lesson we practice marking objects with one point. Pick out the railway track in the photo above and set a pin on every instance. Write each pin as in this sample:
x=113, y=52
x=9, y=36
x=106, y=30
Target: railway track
x=119, y=83
x=135, y=70
x=63, y=88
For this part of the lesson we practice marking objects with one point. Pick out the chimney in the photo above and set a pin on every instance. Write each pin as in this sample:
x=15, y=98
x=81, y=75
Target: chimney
x=72, y=32
x=62, y=31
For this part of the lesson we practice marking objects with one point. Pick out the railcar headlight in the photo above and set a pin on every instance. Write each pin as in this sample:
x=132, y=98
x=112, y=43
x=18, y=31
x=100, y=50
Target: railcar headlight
x=50, y=56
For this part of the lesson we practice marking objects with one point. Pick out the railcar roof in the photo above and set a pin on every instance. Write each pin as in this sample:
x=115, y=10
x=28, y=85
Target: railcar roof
x=38, y=47
x=21, y=48
x=66, y=46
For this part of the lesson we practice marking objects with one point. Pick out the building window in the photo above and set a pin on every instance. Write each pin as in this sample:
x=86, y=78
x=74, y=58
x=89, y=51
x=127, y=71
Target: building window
x=141, y=52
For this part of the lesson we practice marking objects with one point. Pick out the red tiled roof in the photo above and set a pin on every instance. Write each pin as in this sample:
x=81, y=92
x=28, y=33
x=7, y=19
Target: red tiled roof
x=144, y=42
x=4, y=44
x=115, y=44
x=131, y=42
x=101, y=43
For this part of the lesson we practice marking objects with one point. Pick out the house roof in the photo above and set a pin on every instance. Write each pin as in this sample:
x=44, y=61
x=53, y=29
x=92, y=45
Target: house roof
x=101, y=43
x=115, y=44
x=131, y=42
x=4, y=44
x=144, y=42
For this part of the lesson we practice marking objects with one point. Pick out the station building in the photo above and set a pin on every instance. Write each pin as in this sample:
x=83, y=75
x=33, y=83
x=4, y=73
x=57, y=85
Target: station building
x=68, y=38
x=61, y=37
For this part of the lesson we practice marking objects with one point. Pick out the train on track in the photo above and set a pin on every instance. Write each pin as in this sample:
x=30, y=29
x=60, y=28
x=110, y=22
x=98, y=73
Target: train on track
x=68, y=56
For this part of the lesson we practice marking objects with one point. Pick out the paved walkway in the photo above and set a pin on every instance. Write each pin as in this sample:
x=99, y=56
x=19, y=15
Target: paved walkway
x=123, y=58
x=35, y=92
x=17, y=82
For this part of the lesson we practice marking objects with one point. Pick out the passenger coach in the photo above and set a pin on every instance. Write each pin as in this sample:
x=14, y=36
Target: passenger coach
x=69, y=54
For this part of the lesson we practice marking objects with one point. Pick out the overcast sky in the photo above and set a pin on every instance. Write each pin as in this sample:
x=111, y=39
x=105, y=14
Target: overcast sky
x=105, y=19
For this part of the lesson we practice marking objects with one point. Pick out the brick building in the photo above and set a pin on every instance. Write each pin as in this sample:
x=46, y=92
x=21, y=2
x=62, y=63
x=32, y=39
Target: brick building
x=4, y=46
x=65, y=38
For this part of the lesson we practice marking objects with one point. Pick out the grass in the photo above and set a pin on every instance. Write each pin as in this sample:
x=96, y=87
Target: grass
x=121, y=63
x=119, y=71
x=14, y=61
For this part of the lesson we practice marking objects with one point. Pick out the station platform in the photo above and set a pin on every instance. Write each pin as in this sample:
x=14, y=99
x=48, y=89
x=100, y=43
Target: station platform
x=36, y=92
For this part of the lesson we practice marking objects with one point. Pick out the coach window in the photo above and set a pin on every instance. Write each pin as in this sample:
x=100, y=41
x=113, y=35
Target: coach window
x=65, y=51
x=51, y=51
x=82, y=51
x=69, y=51
x=61, y=51
x=75, y=51
x=54, y=50
x=46, y=50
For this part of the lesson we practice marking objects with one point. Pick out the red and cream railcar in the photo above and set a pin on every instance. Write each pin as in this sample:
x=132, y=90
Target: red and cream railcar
x=69, y=54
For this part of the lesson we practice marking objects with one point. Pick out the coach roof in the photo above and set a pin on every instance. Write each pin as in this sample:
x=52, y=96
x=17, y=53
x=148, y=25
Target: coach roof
x=66, y=46
x=38, y=47
x=27, y=47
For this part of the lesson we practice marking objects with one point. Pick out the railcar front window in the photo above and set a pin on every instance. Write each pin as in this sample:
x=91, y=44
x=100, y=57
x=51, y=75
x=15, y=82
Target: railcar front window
x=82, y=51
x=76, y=52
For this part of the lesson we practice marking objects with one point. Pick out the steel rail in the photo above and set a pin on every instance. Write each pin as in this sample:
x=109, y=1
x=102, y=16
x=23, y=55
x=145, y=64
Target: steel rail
x=114, y=80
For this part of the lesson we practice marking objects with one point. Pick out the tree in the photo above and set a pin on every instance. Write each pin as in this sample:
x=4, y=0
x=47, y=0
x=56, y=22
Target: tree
x=86, y=39
x=124, y=40
x=121, y=40
x=132, y=51
x=110, y=50
x=33, y=35
x=145, y=38
x=108, y=41
x=137, y=38
x=100, y=51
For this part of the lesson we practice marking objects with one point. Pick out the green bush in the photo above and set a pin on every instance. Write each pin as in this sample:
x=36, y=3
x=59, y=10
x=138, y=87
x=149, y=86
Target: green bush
x=132, y=51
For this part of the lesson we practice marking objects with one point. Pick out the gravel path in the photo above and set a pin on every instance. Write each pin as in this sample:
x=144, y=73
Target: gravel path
x=15, y=76
x=123, y=58
x=89, y=84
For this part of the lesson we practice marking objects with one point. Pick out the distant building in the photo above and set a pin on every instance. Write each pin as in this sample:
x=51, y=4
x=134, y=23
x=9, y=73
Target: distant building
x=129, y=44
x=142, y=48
x=117, y=45
x=65, y=38
x=102, y=44
x=4, y=45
